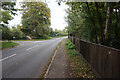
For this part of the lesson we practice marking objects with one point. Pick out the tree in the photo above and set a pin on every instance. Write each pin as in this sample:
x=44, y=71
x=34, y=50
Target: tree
x=16, y=32
x=35, y=19
x=6, y=34
x=6, y=12
x=97, y=22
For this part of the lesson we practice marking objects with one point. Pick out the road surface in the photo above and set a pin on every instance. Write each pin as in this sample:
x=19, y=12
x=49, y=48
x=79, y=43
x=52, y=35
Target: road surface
x=29, y=59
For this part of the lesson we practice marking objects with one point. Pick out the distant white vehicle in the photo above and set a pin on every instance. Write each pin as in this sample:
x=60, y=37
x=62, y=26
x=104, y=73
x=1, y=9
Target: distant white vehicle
x=28, y=37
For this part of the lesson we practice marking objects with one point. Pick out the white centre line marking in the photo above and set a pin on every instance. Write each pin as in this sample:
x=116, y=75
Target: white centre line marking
x=28, y=49
x=31, y=47
x=35, y=42
x=35, y=46
x=7, y=57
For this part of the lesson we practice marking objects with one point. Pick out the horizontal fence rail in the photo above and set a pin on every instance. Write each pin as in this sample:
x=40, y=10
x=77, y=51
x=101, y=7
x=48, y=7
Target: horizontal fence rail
x=104, y=60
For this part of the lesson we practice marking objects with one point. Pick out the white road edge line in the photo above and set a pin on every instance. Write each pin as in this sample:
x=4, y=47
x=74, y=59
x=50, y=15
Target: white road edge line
x=8, y=57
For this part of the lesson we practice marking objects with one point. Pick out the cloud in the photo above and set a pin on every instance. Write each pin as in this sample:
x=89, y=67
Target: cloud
x=57, y=15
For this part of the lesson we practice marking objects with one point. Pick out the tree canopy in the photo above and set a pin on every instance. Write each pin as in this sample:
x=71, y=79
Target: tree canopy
x=6, y=12
x=35, y=19
x=97, y=22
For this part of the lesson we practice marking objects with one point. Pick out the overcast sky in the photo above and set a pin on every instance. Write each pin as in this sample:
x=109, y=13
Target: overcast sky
x=58, y=14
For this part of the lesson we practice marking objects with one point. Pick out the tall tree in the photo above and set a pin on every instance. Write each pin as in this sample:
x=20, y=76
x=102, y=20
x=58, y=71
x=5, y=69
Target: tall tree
x=35, y=19
x=6, y=12
x=95, y=21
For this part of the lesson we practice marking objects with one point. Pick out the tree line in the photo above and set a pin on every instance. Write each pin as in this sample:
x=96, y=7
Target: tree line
x=35, y=21
x=97, y=22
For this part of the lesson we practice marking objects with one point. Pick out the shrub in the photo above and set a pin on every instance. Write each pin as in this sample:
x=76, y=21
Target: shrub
x=69, y=44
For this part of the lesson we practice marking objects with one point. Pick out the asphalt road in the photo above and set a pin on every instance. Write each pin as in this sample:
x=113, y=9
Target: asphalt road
x=29, y=59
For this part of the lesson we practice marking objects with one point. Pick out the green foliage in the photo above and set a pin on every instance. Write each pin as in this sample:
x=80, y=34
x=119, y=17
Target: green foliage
x=73, y=53
x=34, y=39
x=78, y=65
x=70, y=48
x=70, y=45
x=8, y=45
x=96, y=22
x=6, y=14
x=17, y=33
x=6, y=34
x=35, y=19
x=9, y=6
x=59, y=32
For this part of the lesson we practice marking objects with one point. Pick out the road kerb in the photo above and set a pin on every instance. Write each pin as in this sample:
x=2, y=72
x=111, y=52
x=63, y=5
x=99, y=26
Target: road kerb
x=46, y=70
x=50, y=64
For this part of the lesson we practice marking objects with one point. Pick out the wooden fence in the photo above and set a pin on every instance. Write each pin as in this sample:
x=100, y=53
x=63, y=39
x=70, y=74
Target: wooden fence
x=104, y=60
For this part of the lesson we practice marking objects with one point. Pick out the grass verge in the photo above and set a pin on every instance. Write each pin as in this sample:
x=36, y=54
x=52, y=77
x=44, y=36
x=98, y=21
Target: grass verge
x=8, y=45
x=34, y=39
x=78, y=65
x=40, y=39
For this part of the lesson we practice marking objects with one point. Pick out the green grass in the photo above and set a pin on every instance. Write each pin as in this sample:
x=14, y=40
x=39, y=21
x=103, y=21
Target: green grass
x=8, y=45
x=78, y=65
x=39, y=39
x=34, y=39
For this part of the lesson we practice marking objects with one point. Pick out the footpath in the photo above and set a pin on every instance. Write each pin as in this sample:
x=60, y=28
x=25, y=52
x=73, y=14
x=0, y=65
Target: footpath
x=60, y=67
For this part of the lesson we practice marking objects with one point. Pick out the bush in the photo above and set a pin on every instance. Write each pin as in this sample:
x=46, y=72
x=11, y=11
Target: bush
x=70, y=48
x=69, y=44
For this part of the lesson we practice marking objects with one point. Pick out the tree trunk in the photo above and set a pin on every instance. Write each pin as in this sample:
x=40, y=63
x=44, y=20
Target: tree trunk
x=116, y=29
x=100, y=23
x=107, y=21
x=107, y=26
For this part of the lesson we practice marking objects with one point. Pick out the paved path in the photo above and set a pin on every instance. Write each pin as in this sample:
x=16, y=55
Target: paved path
x=28, y=59
x=60, y=67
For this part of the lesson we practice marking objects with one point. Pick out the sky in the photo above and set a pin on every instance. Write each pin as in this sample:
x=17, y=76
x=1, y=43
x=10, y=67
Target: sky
x=58, y=14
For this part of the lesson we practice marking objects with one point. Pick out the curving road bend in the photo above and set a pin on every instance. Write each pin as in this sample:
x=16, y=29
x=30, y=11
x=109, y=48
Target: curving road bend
x=29, y=59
